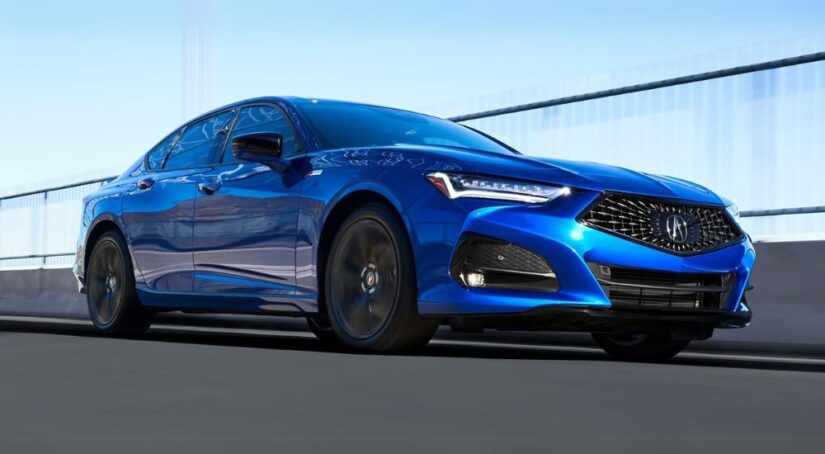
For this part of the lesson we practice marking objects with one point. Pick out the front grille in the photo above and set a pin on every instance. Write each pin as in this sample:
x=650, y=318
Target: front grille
x=682, y=229
x=636, y=288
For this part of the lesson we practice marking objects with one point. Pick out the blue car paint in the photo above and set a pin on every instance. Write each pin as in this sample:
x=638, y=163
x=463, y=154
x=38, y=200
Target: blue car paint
x=253, y=245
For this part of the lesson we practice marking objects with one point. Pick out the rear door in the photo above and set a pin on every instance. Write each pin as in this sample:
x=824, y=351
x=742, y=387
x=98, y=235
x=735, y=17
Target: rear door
x=158, y=212
x=245, y=224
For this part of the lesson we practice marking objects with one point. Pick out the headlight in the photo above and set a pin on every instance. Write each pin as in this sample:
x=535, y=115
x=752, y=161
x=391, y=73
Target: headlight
x=733, y=210
x=456, y=186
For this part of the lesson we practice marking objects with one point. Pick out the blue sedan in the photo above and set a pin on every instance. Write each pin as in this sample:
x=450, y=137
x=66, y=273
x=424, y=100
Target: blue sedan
x=378, y=225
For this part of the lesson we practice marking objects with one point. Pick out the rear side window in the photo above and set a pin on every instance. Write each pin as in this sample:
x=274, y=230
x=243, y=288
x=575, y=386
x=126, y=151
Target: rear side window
x=156, y=156
x=201, y=143
x=256, y=119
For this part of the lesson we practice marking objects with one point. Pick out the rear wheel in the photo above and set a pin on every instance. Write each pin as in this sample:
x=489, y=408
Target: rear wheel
x=370, y=289
x=640, y=346
x=113, y=304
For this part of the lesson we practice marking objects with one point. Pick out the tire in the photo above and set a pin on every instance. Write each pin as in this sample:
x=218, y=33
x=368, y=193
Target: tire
x=114, y=307
x=323, y=330
x=370, y=285
x=649, y=347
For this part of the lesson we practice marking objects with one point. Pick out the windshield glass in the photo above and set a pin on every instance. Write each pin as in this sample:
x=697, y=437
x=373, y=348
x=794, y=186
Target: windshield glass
x=344, y=125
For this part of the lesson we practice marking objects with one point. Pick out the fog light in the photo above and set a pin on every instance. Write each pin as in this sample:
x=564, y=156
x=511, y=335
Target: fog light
x=474, y=279
x=481, y=261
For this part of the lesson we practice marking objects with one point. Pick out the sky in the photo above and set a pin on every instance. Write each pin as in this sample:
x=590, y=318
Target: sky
x=89, y=85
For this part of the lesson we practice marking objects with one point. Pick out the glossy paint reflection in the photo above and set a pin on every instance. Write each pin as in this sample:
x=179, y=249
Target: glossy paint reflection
x=245, y=231
x=158, y=223
x=244, y=237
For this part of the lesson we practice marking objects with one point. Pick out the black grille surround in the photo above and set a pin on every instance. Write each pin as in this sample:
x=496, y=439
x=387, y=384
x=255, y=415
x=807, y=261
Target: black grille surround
x=638, y=288
x=645, y=220
x=504, y=265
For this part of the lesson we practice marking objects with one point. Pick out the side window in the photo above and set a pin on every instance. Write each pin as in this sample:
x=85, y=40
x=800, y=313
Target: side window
x=262, y=119
x=201, y=143
x=156, y=156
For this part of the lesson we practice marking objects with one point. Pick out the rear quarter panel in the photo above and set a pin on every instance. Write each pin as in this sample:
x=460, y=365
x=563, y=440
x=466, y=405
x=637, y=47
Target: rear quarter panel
x=104, y=205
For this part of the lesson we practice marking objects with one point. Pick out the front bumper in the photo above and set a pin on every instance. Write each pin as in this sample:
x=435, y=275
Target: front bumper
x=559, y=318
x=570, y=248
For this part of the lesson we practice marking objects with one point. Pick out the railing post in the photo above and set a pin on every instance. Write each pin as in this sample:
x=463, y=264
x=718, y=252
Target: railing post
x=44, y=227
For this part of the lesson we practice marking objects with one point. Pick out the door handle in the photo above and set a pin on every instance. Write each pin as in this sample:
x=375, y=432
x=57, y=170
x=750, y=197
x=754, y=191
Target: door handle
x=209, y=188
x=145, y=183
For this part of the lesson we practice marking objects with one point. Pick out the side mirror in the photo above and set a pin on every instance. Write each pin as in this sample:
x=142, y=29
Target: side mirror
x=263, y=147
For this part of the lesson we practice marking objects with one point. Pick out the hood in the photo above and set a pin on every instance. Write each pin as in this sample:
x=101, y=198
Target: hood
x=576, y=174
x=619, y=179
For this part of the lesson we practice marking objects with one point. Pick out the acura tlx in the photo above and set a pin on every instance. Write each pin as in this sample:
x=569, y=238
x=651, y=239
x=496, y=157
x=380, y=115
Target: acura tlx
x=378, y=225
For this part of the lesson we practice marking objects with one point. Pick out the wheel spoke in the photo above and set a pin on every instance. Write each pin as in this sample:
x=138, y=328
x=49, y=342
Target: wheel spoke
x=380, y=307
x=347, y=282
x=356, y=312
x=110, y=304
x=111, y=262
x=103, y=307
x=356, y=249
x=381, y=250
x=98, y=280
x=352, y=266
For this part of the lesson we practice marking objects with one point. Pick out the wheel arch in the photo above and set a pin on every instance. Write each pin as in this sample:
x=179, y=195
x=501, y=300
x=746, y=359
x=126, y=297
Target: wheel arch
x=335, y=217
x=102, y=224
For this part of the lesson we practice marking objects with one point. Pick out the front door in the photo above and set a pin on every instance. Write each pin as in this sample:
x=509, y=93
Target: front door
x=246, y=218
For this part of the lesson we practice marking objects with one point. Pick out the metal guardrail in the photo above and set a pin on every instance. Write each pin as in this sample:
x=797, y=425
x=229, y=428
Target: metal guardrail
x=782, y=211
x=38, y=256
x=774, y=64
x=57, y=188
x=38, y=209
x=42, y=257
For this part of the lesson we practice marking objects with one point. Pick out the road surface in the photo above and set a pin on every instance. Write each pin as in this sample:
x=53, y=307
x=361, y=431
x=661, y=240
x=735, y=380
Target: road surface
x=65, y=388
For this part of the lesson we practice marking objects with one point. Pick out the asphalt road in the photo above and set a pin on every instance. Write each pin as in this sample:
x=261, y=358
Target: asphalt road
x=64, y=388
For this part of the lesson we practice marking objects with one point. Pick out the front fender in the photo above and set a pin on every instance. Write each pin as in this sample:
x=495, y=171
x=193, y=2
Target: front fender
x=396, y=176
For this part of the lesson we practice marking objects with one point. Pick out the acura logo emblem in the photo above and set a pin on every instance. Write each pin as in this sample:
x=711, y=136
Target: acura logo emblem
x=677, y=228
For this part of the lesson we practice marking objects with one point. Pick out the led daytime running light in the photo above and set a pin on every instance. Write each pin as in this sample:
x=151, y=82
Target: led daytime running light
x=457, y=186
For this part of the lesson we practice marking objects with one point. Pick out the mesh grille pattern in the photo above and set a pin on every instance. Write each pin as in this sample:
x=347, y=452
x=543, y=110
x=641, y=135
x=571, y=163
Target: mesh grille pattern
x=498, y=255
x=646, y=220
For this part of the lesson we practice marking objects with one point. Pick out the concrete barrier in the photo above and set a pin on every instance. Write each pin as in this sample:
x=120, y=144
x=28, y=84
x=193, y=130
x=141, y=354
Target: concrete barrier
x=789, y=309
x=41, y=292
x=787, y=301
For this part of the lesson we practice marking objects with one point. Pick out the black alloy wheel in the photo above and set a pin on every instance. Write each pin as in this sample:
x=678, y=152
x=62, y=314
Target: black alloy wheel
x=113, y=304
x=370, y=287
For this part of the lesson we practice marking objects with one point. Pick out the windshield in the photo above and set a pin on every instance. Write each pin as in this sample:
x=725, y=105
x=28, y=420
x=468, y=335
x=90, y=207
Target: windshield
x=344, y=125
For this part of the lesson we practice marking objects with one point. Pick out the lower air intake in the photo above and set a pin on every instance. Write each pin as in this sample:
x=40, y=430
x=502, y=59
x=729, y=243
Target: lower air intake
x=636, y=288
x=486, y=262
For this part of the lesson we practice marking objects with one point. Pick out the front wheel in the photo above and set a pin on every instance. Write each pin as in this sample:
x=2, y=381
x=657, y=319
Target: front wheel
x=640, y=346
x=370, y=285
x=110, y=280
x=320, y=326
